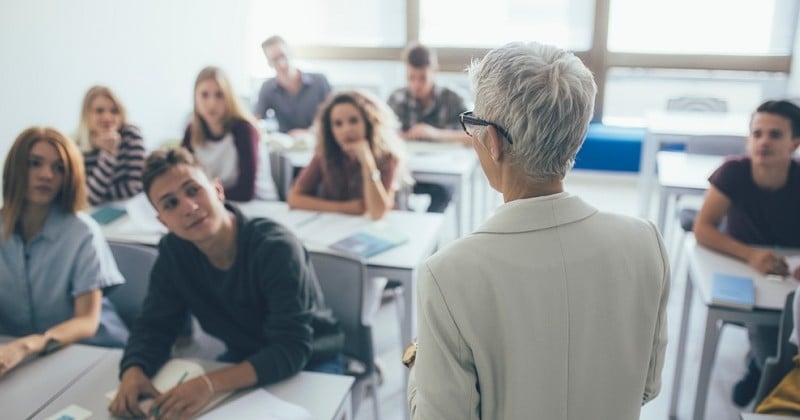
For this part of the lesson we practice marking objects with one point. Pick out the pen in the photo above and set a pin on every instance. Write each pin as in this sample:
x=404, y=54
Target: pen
x=155, y=411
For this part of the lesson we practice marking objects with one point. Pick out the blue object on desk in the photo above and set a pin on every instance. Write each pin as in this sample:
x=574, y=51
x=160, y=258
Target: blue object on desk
x=366, y=244
x=610, y=148
x=733, y=291
x=107, y=214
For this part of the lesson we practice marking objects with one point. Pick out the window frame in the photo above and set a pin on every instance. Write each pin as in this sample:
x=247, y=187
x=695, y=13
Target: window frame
x=598, y=58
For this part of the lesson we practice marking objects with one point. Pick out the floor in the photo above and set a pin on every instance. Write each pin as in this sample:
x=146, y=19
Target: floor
x=613, y=193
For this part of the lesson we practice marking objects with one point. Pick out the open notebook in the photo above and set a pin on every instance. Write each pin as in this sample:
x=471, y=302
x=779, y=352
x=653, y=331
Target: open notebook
x=171, y=374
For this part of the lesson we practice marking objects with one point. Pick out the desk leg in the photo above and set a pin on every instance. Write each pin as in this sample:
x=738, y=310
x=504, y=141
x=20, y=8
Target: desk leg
x=459, y=208
x=706, y=362
x=647, y=171
x=684, y=329
x=663, y=204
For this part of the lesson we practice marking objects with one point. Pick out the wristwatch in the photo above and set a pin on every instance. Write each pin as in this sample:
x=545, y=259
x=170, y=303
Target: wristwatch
x=410, y=354
x=375, y=175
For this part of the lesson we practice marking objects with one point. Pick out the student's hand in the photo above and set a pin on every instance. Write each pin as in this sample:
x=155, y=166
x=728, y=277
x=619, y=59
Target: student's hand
x=107, y=141
x=363, y=153
x=767, y=262
x=11, y=355
x=134, y=384
x=355, y=206
x=421, y=131
x=796, y=273
x=182, y=401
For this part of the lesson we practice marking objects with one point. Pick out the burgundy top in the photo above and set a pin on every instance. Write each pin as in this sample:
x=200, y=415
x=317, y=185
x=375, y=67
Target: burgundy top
x=311, y=180
x=757, y=216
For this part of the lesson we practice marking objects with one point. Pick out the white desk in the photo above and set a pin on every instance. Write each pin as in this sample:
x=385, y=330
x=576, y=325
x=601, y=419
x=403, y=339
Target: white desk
x=29, y=387
x=325, y=396
x=754, y=416
x=449, y=164
x=319, y=230
x=682, y=174
x=675, y=127
x=770, y=297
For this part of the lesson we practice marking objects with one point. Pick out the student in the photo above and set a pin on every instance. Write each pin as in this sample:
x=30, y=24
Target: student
x=224, y=138
x=248, y=282
x=54, y=261
x=758, y=199
x=293, y=95
x=551, y=309
x=113, y=150
x=428, y=111
x=357, y=165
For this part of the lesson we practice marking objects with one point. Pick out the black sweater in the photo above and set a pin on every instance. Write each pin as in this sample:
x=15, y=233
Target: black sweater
x=261, y=308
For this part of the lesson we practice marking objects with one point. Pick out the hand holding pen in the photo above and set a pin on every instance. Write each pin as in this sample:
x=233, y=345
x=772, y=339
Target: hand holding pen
x=768, y=262
x=182, y=401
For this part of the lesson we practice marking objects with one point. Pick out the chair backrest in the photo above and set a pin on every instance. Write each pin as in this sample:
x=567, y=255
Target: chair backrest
x=775, y=368
x=697, y=104
x=342, y=278
x=282, y=173
x=135, y=263
x=716, y=145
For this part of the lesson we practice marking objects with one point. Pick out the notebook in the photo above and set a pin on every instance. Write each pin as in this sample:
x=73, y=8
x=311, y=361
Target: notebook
x=733, y=291
x=174, y=372
x=370, y=241
x=107, y=214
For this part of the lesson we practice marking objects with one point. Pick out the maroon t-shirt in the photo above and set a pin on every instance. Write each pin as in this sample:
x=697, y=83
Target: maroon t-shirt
x=757, y=216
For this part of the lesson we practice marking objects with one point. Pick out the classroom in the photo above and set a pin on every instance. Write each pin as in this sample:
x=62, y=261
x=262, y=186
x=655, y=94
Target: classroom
x=255, y=206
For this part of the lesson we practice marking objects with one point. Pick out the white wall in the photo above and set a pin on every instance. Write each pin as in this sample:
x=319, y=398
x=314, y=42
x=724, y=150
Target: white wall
x=148, y=51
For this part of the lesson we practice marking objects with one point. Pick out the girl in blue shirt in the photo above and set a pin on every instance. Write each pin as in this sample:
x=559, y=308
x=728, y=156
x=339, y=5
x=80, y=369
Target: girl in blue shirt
x=54, y=261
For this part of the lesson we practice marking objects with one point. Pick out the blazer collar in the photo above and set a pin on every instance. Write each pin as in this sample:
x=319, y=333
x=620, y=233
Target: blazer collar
x=537, y=213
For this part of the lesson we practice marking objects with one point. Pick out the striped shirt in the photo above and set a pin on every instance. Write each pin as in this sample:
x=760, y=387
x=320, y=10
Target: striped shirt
x=117, y=177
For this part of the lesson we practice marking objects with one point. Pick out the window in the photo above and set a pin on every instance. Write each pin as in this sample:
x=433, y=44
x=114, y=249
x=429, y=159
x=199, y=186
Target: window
x=478, y=23
x=343, y=23
x=632, y=92
x=736, y=27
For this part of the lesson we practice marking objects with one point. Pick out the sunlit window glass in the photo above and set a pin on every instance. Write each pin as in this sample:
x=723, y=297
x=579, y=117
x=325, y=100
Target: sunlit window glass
x=478, y=23
x=736, y=27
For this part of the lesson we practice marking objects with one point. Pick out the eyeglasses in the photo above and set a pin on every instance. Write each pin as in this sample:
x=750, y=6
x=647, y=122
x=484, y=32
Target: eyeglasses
x=468, y=122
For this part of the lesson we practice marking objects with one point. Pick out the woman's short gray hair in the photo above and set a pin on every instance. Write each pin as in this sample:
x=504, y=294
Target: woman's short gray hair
x=543, y=96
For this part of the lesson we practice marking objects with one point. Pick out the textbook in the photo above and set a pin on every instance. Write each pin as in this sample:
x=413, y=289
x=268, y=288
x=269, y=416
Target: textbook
x=370, y=241
x=733, y=291
x=107, y=214
x=173, y=373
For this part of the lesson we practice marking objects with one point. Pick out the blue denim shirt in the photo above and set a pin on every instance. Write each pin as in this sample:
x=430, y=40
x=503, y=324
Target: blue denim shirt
x=40, y=280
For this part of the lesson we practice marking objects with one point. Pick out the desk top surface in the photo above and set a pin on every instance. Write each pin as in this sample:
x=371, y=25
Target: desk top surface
x=27, y=388
x=685, y=170
x=697, y=123
x=704, y=263
x=320, y=230
x=321, y=394
x=423, y=157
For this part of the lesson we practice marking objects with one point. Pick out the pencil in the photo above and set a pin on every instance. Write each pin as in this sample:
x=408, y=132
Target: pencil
x=155, y=411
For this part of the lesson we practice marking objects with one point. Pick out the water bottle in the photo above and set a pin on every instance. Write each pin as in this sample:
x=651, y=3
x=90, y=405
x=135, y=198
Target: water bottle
x=271, y=124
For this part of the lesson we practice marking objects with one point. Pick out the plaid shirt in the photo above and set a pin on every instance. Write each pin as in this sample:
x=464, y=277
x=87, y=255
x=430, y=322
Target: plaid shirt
x=442, y=112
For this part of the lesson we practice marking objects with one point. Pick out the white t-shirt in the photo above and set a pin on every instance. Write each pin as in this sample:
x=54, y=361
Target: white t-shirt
x=222, y=162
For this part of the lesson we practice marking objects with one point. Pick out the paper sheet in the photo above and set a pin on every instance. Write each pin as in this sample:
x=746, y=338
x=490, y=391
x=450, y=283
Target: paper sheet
x=143, y=215
x=258, y=405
